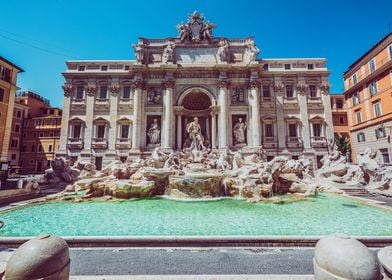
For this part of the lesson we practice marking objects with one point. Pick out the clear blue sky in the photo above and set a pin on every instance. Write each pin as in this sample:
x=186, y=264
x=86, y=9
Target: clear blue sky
x=340, y=31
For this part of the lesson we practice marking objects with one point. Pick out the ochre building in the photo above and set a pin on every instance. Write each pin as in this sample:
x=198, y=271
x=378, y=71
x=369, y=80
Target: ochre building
x=8, y=87
x=119, y=109
x=368, y=94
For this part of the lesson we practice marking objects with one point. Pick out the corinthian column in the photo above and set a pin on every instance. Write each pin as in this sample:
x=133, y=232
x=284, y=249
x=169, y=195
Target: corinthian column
x=254, y=103
x=223, y=112
x=90, y=91
x=65, y=120
x=114, y=91
x=214, y=112
x=168, y=114
x=137, y=106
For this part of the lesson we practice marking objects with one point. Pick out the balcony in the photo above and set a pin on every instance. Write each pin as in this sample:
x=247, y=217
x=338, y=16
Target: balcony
x=267, y=102
x=123, y=143
x=318, y=142
x=78, y=104
x=315, y=102
x=290, y=103
x=270, y=142
x=101, y=104
x=99, y=143
x=75, y=143
x=125, y=103
x=294, y=142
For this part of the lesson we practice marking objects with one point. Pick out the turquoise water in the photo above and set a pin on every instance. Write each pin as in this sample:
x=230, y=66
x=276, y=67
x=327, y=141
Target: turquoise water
x=322, y=215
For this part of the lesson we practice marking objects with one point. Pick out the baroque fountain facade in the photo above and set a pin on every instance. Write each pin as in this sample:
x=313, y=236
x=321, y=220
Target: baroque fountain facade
x=198, y=116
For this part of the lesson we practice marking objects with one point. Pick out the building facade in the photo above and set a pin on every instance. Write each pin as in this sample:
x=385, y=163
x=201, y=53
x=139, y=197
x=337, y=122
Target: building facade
x=20, y=114
x=40, y=133
x=368, y=94
x=8, y=78
x=120, y=109
x=339, y=116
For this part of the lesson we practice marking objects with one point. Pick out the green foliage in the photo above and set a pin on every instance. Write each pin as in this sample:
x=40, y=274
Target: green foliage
x=343, y=144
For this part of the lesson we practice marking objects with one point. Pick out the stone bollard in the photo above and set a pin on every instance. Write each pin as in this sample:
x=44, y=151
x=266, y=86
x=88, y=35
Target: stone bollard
x=385, y=259
x=45, y=257
x=340, y=257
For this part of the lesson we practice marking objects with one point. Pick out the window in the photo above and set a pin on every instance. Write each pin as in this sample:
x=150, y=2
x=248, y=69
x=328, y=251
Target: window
x=289, y=91
x=287, y=66
x=126, y=92
x=126, y=68
x=356, y=99
x=14, y=143
x=17, y=128
x=51, y=134
x=41, y=134
x=292, y=130
x=390, y=51
x=266, y=92
x=2, y=91
x=372, y=65
x=373, y=88
x=361, y=137
x=316, y=130
x=103, y=92
x=269, y=130
x=79, y=92
x=18, y=114
x=265, y=67
x=76, y=131
x=81, y=68
x=310, y=66
x=339, y=104
x=295, y=157
x=5, y=74
x=377, y=108
x=50, y=147
x=385, y=155
x=39, y=148
x=312, y=91
x=341, y=120
x=33, y=148
x=34, y=135
x=358, y=115
x=380, y=132
x=355, y=81
x=13, y=156
x=101, y=131
x=23, y=149
x=104, y=68
x=124, y=131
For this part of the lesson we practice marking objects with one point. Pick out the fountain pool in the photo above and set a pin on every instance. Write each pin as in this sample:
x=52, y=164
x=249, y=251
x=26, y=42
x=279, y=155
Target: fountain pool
x=321, y=215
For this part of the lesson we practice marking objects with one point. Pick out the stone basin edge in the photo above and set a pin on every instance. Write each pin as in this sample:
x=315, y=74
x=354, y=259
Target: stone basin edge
x=198, y=241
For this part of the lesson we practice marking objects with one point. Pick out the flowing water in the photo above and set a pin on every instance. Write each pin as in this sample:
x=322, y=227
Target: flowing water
x=321, y=215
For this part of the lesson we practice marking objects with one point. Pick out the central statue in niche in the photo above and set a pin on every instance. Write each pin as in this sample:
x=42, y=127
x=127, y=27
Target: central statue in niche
x=194, y=131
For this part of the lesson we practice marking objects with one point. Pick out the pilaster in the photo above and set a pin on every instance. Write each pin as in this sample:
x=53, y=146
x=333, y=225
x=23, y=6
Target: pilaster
x=168, y=114
x=280, y=122
x=326, y=99
x=90, y=93
x=137, y=86
x=114, y=90
x=304, y=116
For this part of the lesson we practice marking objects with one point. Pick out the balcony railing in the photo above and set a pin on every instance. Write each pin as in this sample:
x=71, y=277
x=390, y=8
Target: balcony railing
x=318, y=141
x=294, y=142
x=75, y=143
x=123, y=143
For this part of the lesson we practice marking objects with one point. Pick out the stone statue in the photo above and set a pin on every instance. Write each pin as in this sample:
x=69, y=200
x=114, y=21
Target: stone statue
x=252, y=51
x=139, y=52
x=168, y=53
x=207, y=30
x=183, y=32
x=222, y=51
x=239, y=132
x=154, y=96
x=154, y=133
x=194, y=130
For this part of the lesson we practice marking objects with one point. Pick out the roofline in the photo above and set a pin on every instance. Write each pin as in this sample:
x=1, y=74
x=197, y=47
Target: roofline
x=12, y=64
x=366, y=53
